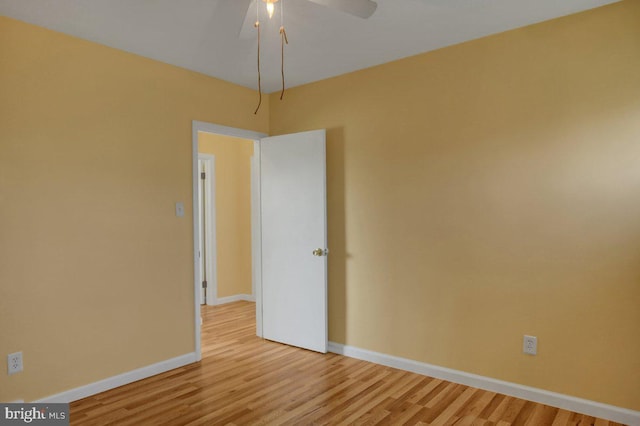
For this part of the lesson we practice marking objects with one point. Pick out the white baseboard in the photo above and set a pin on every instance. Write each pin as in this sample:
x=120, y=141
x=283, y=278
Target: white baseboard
x=121, y=379
x=235, y=298
x=583, y=406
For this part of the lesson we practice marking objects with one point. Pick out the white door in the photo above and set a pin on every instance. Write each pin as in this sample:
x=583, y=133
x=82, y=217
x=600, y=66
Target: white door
x=294, y=239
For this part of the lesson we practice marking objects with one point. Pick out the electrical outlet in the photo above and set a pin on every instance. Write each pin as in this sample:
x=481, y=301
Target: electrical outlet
x=530, y=345
x=14, y=363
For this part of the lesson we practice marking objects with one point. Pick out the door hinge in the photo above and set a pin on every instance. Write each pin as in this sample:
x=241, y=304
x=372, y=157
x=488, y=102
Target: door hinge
x=203, y=175
x=204, y=284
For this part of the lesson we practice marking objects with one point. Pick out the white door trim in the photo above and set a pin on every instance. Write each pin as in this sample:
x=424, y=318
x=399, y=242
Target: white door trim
x=201, y=126
x=211, y=260
x=256, y=236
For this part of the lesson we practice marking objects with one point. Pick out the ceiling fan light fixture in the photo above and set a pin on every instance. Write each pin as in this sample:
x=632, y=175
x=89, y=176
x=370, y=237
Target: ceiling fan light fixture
x=270, y=7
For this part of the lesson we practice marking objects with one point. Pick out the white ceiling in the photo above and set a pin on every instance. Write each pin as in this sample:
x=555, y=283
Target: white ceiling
x=203, y=35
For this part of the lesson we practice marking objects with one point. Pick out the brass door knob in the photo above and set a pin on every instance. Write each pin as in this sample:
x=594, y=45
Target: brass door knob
x=320, y=252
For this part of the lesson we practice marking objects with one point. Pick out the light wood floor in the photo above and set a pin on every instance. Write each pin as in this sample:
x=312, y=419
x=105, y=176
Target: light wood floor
x=243, y=380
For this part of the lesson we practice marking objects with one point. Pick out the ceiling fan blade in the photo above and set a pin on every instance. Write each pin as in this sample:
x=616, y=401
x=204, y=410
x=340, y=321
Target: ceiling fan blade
x=247, y=30
x=360, y=8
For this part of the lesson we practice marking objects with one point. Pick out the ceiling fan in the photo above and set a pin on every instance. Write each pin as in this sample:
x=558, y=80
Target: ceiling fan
x=359, y=8
x=252, y=23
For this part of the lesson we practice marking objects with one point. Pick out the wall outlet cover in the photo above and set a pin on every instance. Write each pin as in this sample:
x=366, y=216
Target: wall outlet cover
x=530, y=345
x=14, y=363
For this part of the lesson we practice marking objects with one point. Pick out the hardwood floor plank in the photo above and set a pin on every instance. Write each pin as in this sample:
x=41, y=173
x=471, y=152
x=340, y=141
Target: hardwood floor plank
x=447, y=416
x=403, y=413
x=495, y=402
x=542, y=415
x=244, y=380
x=524, y=414
x=476, y=405
x=563, y=417
x=364, y=404
x=416, y=419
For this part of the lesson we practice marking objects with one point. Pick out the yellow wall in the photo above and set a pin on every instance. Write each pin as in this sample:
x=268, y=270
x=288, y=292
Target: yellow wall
x=233, y=210
x=96, y=271
x=486, y=191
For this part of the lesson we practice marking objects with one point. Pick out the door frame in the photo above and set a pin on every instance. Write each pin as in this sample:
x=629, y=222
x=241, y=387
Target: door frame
x=211, y=262
x=256, y=246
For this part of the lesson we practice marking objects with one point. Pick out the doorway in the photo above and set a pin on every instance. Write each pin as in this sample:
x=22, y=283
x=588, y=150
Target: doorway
x=199, y=128
x=288, y=199
x=225, y=212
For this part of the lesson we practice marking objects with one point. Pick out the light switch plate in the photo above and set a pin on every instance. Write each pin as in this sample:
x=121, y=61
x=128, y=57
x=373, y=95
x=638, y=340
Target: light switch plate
x=179, y=209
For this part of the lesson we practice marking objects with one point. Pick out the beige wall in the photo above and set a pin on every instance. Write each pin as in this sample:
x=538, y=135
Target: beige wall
x=486, y=191
x=96, y=271
x=233, y=210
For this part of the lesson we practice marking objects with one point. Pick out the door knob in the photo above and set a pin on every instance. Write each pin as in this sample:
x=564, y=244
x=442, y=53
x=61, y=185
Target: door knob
x=320, y=252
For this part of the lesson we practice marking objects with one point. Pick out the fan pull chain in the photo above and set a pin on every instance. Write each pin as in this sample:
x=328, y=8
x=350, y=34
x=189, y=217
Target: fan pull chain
x=257, y=25
x=283, y=40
